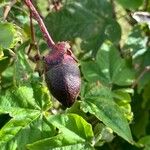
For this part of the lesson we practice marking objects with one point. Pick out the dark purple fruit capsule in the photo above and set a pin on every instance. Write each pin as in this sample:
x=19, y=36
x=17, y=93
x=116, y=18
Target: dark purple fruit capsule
x=62, y=74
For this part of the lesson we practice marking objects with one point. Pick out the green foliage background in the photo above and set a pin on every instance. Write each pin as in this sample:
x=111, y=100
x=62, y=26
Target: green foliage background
x=112, y=110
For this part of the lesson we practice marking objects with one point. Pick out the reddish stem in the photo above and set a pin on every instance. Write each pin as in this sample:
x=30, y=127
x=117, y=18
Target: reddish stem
x=43, y=28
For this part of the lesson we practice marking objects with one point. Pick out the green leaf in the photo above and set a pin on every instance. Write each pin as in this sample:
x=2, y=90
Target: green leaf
x=122, y=96
x=58, y=142
x=102, y=134
x=75, y=132
x=84, y=20
x=39, y=129
x=7, y=31
x=141, y=121
x=91, y=71
x=7, y=77
x=23, y=68
x=21, y=97
x=123, y=99
x=75, y=109
x=109, y=68
x=144, y=63
x=41, y=95
x=136, y=43
x=99, y=102
x=130, y=4
x=113, y=66
x=22, y=106
x=20, y=119
x=4, y=60
x=145, y=141
x=146, y=96
x=80, y=130
x=111, y=33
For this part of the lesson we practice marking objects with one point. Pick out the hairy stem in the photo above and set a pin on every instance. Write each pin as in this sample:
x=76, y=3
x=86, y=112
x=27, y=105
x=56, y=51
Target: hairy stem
x=43, y=28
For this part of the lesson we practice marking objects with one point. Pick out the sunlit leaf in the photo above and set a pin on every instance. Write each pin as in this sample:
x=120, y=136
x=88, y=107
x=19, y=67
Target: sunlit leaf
x=108, y=68
x=99, y=102
x=69, y=125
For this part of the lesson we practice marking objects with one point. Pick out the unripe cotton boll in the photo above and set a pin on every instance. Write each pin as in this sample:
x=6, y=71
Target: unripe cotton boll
x=62, y=74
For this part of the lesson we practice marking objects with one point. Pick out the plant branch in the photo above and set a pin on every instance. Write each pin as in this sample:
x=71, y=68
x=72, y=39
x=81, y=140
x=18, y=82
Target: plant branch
x=146, y=69
x=32, y=29
x=43, y=28
x=33, y=34
x=8, y=8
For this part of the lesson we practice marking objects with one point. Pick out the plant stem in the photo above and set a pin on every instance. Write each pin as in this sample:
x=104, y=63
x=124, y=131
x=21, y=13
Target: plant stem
x=33, y=35
x=146, y=69
x=43, y=28
x=8, y=8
